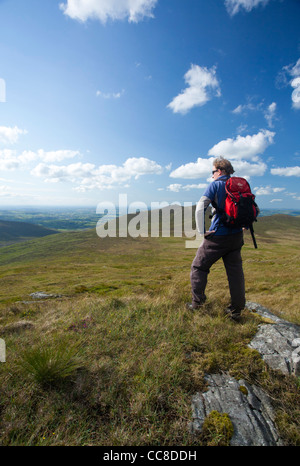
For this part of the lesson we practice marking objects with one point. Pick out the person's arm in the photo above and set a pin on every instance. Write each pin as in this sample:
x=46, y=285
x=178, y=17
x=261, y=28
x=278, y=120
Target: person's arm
x=200, y=213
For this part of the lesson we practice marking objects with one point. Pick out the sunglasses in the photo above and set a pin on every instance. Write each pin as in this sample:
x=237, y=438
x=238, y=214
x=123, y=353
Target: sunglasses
x=214, y=171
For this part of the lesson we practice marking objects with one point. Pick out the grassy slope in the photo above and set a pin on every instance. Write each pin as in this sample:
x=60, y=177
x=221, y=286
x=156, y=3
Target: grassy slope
x=11, y=232
x=143, y=354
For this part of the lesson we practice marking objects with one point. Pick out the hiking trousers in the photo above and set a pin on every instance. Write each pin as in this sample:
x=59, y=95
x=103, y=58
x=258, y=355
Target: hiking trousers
x=227, y=247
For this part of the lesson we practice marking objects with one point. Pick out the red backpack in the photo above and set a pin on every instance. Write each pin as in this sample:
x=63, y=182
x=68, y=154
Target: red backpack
x=240, y=208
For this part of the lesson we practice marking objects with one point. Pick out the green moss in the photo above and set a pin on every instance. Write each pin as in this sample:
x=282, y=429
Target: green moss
x=217, y=429
x=244, y=390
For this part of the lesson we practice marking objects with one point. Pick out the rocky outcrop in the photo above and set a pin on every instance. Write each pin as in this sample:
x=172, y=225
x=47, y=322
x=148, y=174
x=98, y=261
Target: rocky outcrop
x=278, y=343
x=248, y=406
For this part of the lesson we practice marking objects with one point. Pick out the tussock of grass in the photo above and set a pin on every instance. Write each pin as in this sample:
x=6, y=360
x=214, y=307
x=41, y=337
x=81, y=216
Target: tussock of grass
x=50, y=364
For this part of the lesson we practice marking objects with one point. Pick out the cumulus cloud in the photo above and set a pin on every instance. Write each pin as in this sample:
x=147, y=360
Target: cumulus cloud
x=201, y=168
x=49, y=156
x=286, y=171
x=202, y=86
x=242, y=151
x=134, y=10
x=284, y=78
x=295, y=83
x=267, y=190
x=247, y=169
x=63, y=172
x=10, y=160
x=244, y=147
x=234, y=6
x=10, y=135
x=89, y=176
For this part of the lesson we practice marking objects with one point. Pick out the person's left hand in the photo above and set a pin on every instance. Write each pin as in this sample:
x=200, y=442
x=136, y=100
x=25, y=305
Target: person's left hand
x=210, y=233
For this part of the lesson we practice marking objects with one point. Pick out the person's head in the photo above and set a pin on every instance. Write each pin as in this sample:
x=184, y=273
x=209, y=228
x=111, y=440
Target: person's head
x=221, y=167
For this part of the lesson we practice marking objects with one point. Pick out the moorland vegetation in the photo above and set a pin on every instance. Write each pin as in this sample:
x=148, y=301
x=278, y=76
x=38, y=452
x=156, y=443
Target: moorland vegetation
x=116, y=357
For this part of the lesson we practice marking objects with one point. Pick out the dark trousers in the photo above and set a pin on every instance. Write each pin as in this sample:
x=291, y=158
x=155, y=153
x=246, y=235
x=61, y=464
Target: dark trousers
x=229, y=248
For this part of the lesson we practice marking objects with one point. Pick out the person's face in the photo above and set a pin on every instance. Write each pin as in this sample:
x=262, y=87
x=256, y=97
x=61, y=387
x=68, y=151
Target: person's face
x=216, y=173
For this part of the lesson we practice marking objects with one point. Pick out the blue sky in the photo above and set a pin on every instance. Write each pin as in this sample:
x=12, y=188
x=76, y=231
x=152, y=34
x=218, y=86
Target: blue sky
x=106, y=97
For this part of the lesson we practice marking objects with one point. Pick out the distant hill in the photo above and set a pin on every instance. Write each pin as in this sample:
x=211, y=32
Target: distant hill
x=279, y=225
x=12, y=232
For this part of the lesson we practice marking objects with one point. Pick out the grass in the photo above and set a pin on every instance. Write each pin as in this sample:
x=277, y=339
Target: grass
x=142, y=354
x=51, y=363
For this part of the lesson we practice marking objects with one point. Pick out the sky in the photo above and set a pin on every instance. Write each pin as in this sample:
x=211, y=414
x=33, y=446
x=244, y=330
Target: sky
x=102, y=98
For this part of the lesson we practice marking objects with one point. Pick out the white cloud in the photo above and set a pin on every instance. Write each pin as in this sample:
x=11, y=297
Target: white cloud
x=246, y=169
x=11, y=161
x=249, y=106
x=234, y=6
x=141, y=166
x=293, y=71
x=286, y=171
x=270, y=114
x=110, y=95
x=243, y=147
x=202, y=85
x=48, y=156
x=276, y=200
x=295, y=83
x=176, y=187
x=103, y=177
x=63, y=172
x=134, y=10
x=200, y=168
x=10, y=135
x=5, y=191
x=262, y=191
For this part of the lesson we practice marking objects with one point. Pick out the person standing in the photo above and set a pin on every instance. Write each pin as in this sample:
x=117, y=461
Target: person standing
x=219, y=242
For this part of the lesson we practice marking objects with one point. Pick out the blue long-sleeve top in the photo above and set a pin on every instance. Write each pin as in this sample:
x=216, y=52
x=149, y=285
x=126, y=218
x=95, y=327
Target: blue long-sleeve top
x=215, y=193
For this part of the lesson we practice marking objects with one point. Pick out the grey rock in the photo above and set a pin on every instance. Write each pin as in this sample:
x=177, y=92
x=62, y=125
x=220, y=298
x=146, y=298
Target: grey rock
x=277, y=343
x=250, y=410
x=248, y=406
x=43, y=295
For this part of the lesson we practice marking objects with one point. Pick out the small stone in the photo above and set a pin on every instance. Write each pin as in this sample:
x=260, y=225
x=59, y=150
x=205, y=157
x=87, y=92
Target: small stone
x=296, y=342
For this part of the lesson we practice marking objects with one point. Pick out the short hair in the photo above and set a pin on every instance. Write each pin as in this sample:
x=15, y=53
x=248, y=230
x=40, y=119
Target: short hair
x=222, y=164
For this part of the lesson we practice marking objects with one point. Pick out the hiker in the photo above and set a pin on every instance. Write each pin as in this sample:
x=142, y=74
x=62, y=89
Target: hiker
x=219, y=242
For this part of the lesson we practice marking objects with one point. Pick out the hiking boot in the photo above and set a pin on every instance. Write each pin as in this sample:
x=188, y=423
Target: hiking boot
x=193, y=306
x=233, y=314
